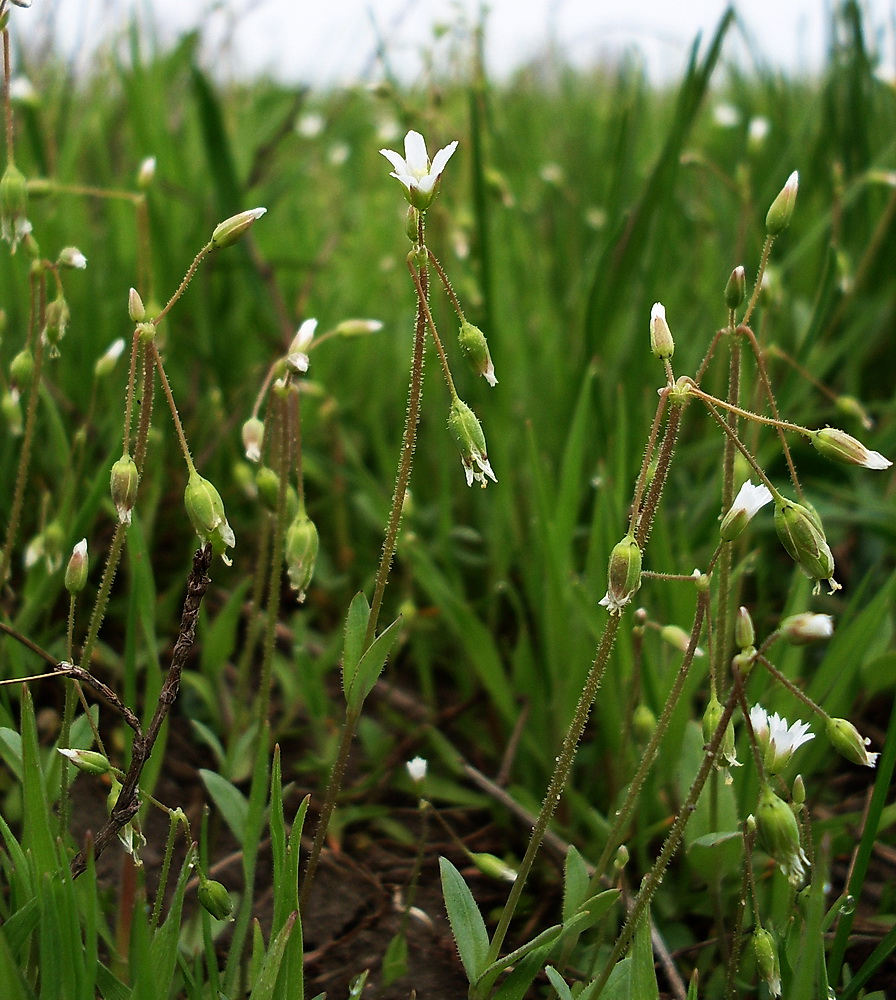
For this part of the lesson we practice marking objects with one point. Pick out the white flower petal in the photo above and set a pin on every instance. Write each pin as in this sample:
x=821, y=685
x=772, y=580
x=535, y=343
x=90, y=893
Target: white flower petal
x=442, y=157
x=415, y=154
x=397, y=162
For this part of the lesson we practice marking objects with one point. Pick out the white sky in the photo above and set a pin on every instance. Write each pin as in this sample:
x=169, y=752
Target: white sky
x=332, y=41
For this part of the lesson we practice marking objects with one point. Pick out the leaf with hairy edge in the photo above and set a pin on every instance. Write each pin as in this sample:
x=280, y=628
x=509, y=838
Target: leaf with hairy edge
x=355, y=627
x=466, y=921
x=371, y=665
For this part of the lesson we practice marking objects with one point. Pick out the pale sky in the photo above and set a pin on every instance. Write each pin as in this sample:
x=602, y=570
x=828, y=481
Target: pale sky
x=333, y=41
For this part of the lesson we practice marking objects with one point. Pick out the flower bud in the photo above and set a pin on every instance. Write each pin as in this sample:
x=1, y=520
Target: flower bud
x=736, y=289
x=749, y=500
x=781, y=211
x=124, y=482
x=106, y=363
x=806, y=627
x=21, y=369
x=779, y=834
x=798, y=792
x=253, y=438
x=72, y=258
x=417, y=769
x=623, y=575
x=206, y=512
x=301, y=552
x=848, y=742
x=88, y=761
x=136, y=309
x=744, y=661
x=800, y=532
x=12, y=412
x=767, y=960
x=214, y=897
x=621, y=859
x=494, y=867
x=14, y=225
x=661, y=343
x=726, y=755
x=839, y=446
x=358, y=327
x=467, y=433
x=744, y=633
x=57, y=317
x=643, y=723
x=230, y=230
x=267, y=483
x=851, y=407
x=474, y=348
x=679, y=639
x=76, y=571
x=146, y=172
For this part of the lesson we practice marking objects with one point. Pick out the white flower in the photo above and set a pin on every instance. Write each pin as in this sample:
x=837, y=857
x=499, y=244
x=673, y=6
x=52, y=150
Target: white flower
x=310, y=125
x=757, y=130
x=297, y=356
x=777, y=738
x=806, y=627
x=416, y=172
x=748, y=501
x=726, y=115
x=417, y=769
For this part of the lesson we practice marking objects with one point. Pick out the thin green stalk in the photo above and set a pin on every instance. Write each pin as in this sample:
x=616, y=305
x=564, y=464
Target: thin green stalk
x=102, y=596
x=757, y=287
x=68, y=715
x=558, y=780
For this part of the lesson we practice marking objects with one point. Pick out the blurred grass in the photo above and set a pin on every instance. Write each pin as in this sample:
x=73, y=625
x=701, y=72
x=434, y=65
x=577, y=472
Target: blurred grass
x=576, y=199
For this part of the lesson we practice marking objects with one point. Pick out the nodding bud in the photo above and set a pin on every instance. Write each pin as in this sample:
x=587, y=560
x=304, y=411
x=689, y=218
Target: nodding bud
x=736, y=289
x=358, y=327
x=661, y=343
x=11, y=408
x=417, y=769
x=623, y=575
x=301, y=553
x=744, y=633
x=781, y=211
x=726, y=755
x=839, y=446
x=72, y=257
x=106, y=362
x=88, y=761
x=136, y=309
x=801, y=534
x=57, y=316
x=76, y=571
x=230, y=230
x=14, y=224
x=205, y=508
x=779, y=834
x=767, y=964
x=494, y=867
x=213, y=896
x=467, y=433
x=474, y=348
x=21, y=369
x=806, y=627
x=849, y=743
x=749, y=500
x=146, y=173
x=253, y=438
x=679, y=639
x=124, y=482
x=643, y=723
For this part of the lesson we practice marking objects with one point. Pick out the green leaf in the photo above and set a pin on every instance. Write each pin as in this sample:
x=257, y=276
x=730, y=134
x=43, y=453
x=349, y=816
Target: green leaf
x=395, y=960
x=559, y=983
x=270, y=967
x=715, y=855
x=355, y=627
x=37, y=835
x=644, y=984
x=230, y=801
x=575, y=883
x=371, y=665
x=14, y=985
x=466, y=921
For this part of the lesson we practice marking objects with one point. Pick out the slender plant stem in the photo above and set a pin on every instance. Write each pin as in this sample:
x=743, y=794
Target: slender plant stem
x=757, y=287
x=102, y=596
x=182, y=287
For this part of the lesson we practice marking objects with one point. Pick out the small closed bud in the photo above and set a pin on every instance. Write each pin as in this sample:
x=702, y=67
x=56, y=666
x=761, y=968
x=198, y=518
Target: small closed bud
x=798, y=792
x=297, y=355
x=146, y=172
x=749, y=500
x=661, y=343
x=72, y=257
x=267, y=483
x=301, y=552
x=417, y=769
x=621, y=859
x=767, y=960
x=57, y=317
x=726, y=755
x=358, y=327
x=230, y=230
x=106, y=363
x=206, y=512
x=494, y=867
x=643, y=723
x=253, y=438
x=124, y=482
x=88, y=761
x=474, y=348
x=21, y=369
x=736, y=289
x=12, y=412
x=799, y=530
x=743, y=662
x=849, y=743
x=807, y=627
x=136, y=309
x=839, y=446
x=679, y=639
x=467, y=433
x=744, y=633
x=14, y=225
x=214, y=898
x=412, y=223
x=76, y=571
x=851, y=407
x=779, y=834
x=623, y=575
x=781, y=211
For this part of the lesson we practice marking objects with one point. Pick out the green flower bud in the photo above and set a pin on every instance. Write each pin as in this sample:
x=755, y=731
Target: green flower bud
x=230, y=230
x=736, y=289
x=744, y=661
x=744, y=633
x=749, y=500
x=357, y=327
x=21, y=369
x=779, y=834
x=848, y=742
x=106, y=363
x=851, y=407
x=474, y=348
x=767, y=960
x=800, y=532
x=411, y=224
x=76, y=571
x=14, y=225
x=12, y=412
x=467, y=433
x=89, y=761
x=136, y=309
x=623, y=575
x=781, y=211
x=643, y=723
x=267, y=482
x=806, y=627
x=798, y=792
x=124, y=482
x=661, y=343
x=726, y=756
x=301, y=552
x=206, y=512
x=494, y=867
x=71, y=257
x=839, y=446
x=57, y=317
x=253, y=438
x=146, y=173
x=679, y=639
x=621, y=859
x=214, y=897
